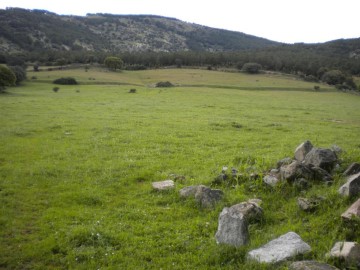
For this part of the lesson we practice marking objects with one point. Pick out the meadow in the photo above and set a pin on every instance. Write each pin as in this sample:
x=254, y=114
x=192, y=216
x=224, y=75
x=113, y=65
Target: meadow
x=76, y=166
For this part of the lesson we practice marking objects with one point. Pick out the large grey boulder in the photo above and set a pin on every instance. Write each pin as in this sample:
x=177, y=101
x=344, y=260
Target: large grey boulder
x=347, y=251
x=354, y=168
x=311, y=265
x=352, y=211
x=232, y=228
x=208, y=197
x=323, y=158
x=233, y=223
x=163, y=185
x=351, y=187
x=285, y=247
x=302, y=150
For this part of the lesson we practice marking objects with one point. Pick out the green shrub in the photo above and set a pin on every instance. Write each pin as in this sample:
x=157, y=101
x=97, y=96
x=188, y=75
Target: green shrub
x=7, y=77
x=251, y=68
x=164, y=84
x=65, y=81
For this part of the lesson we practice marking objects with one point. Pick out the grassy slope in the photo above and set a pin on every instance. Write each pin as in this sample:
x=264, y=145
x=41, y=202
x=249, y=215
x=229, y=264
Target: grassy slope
x=76, y=167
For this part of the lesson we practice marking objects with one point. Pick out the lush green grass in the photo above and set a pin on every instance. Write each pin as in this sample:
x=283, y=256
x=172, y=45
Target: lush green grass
x=76, y=166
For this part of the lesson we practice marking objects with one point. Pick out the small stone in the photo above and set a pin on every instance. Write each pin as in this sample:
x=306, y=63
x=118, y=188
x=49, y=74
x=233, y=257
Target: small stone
x=163, y=185
x=354, y=168
x=309, y=205
x=284, y=161
x=352, y=211
x=301, y=184
x=271, y=180
x=348, y=251
x=351, y=187
x=302, y=150
x=311, y=265
x=282, y=248
x=208, y=197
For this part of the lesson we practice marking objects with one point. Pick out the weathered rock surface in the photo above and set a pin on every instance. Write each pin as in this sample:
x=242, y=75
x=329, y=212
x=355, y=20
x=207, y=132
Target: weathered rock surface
x=323, y=158
x=351, y=187
x=232, y=228
x=354, y=168
x=280, y=249
x=208, y=197
x=347, y=251
x=296, y=170
x=352, y=211
x=311, y=265
x=271, y=180
x=163, y=185
x=302, y=150
x=188, y=191
x=284, y=161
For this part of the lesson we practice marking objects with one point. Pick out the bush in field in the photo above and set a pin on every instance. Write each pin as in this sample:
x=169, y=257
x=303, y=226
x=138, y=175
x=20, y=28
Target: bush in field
x=55, y=89
x=65, y=81
x=164, y=84
x=113, y=63
x=251, y=68
x=20, y=73
x=333, y=77
x=7, y=77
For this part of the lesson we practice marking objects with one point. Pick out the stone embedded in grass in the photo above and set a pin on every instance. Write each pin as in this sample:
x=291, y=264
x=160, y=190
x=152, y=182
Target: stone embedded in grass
x=347, y=251
x=310, y=204
x=233, y=223
x=311, y=265
x=284, y=161
x=351, y=187
x=352, y=211
x=354, y=168
x=208, y=197
x=187, y=192
x=271, y=180
x=302, y=150
x=280, y=249
x=163, y=185
x=295, y=170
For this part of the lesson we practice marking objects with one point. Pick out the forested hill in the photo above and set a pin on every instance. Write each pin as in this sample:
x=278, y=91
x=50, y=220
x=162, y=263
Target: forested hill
x=24, y=30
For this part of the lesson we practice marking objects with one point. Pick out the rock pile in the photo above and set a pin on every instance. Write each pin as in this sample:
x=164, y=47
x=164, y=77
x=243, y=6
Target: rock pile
x=205, y=196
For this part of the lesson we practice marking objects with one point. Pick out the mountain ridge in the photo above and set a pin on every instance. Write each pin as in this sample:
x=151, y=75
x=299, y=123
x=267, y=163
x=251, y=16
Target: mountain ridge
x=29, y=30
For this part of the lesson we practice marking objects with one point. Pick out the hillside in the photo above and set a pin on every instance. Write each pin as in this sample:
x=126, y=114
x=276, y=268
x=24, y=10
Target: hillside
x=32, y=30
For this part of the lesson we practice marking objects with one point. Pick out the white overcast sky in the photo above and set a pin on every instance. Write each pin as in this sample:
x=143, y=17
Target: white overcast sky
x=289, y=21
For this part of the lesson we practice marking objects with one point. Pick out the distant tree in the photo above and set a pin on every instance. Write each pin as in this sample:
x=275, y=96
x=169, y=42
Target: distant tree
x=7, y=78
x=65, y=81
x=113, y=63
x=20, y=73
x=333, y=77
x=36, y=67
x=251, y=68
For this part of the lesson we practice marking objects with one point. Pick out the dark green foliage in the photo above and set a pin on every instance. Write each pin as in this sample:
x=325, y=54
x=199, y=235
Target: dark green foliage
x=113, y=63
x=252, y=68
x=164, y=84
x=65, y=81
x=333, y=77
x=7, y=77
x=20, y=73
x=55, y=89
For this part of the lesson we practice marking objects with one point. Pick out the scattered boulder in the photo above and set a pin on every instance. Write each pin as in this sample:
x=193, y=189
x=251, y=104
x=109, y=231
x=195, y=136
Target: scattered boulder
x=301, y=184
x=321, y=174
x=323, y=158
x=302, y=150
x=309, y=205
x=347, y=251
x=354, y=168
x=163, y=185
x=311, y=265
x=351, y=187
x=285, y=247
x=352, y=211
x=208, y=197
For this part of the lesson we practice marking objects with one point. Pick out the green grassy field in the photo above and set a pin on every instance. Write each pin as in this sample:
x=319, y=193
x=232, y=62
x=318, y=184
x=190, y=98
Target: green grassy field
x=76, y=166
